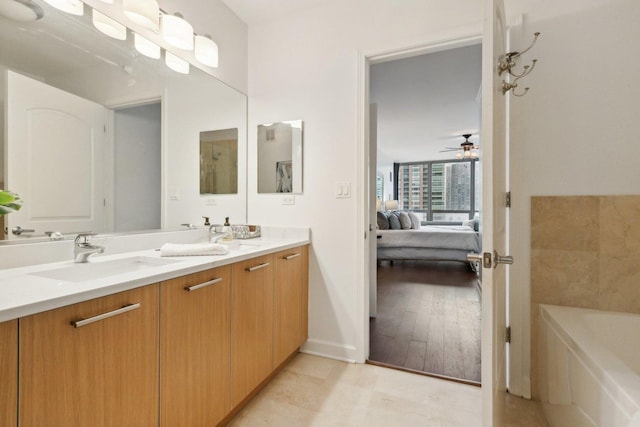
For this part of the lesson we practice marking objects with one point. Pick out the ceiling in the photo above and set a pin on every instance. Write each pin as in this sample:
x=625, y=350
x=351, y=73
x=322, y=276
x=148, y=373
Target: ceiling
x=425, y=103
x=256, y=11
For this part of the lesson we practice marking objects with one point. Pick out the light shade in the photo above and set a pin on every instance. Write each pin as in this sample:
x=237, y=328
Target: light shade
x=177, y=32
x=109, y=26
x=74, y=7
x=146, y=47
x=145, y=13
x=390, y=205
x=178, y=65
x=22, y=11
x=206, y=51
x=107, y=1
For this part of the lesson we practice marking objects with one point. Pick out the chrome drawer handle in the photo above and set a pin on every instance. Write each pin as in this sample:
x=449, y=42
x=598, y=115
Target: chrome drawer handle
x=258, y=267
x=288, y=257
x=203, y=285
x=84, y=322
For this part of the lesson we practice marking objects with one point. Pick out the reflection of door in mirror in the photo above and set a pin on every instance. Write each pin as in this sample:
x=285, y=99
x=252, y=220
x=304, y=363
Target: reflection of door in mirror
x=219, y=161
x=280, y=157
x=55, y=158
x=137, y=160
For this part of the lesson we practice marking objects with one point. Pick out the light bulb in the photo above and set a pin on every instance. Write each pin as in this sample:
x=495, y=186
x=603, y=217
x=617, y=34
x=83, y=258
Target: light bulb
x=177, y=32
x=206, y=51
x=74, y=7
x=146, y=47
x=178, y=65
x=145, y=13
x=109, y=26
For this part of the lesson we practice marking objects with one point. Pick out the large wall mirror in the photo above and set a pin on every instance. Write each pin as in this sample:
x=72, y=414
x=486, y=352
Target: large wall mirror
x=280, y=157
x=136, y=165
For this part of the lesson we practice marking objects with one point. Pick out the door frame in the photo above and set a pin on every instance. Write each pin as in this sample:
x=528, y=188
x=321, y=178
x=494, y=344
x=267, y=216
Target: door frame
x=363, y=185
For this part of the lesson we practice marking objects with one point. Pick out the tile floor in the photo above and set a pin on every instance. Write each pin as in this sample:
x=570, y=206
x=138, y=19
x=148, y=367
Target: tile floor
x=314, y=391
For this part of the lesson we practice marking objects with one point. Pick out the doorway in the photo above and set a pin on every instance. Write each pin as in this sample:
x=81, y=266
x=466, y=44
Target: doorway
x=425, y=314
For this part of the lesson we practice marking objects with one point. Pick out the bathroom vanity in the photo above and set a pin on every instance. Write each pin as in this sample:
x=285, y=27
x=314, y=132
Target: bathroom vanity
x=187, y=342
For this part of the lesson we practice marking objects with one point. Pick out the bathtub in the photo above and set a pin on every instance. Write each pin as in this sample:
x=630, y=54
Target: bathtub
x=589, y=367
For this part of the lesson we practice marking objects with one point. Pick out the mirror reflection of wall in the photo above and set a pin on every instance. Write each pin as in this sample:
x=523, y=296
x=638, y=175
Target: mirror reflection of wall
x=137, y=176
x=280, y=157
x=219, y=161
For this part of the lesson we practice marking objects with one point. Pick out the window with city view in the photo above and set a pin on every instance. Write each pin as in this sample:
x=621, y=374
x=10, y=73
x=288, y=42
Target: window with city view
x=439, y=191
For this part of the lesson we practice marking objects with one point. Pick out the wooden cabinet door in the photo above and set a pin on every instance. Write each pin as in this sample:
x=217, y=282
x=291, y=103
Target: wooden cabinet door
x=8, y=373
x=103, y=373
x=251, y=325
x=195, y=388
x=290, y=303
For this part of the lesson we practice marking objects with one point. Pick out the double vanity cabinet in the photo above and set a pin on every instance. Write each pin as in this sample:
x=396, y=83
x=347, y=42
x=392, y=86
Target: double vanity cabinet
x=187, y=351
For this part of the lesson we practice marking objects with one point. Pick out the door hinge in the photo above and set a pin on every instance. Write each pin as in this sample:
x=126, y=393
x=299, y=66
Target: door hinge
x=507, y=335
x=508, y=199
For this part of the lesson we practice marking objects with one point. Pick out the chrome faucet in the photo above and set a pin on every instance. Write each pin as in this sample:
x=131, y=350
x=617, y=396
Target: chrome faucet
x=83, y=248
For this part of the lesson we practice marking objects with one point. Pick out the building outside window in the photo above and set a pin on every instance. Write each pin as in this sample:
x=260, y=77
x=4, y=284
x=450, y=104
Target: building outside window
x=439, y=191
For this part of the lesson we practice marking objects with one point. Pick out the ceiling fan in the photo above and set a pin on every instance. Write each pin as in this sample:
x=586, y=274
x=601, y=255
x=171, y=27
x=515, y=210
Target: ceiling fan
x=467, y=149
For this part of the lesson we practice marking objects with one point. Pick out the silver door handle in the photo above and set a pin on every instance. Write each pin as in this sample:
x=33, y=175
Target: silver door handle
x=19, y=230
x=489, y=260
x=257, y=267
x=499, y=259
x=126, y=308
x=203, y=285
x=288, y=257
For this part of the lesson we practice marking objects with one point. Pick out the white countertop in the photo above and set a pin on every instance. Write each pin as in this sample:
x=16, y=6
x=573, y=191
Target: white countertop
x=23, y=293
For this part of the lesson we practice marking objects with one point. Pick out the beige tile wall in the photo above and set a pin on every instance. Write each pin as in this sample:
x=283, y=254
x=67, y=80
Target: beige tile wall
x=585, y=252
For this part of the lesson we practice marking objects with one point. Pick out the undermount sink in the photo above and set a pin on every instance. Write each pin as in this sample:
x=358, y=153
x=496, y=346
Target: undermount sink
x=79, y=272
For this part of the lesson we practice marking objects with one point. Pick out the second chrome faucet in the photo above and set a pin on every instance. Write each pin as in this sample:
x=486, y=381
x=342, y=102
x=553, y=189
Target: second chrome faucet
x=83, y=249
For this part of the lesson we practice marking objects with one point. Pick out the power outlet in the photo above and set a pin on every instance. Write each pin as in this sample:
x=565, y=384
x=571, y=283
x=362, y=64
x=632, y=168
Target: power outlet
x=211, y=201
x=288, y=200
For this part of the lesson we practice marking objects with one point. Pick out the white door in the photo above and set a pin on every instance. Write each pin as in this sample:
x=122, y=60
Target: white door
x=373, y=244
x=56, y=159
x=494, y=230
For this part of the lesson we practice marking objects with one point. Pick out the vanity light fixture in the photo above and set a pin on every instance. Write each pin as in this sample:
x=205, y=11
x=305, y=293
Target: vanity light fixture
x=109, y=26
x=177, y=31
x=146, y=47
x=74, y=7
x=178, y=65
x=145, y=13
x=21, y=10
x=206, y=50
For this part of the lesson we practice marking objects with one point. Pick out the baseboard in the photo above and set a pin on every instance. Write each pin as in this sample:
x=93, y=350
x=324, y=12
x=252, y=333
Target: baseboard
x=344, y=353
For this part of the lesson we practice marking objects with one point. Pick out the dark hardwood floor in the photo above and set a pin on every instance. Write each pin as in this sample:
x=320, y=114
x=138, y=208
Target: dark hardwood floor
x=428, y=318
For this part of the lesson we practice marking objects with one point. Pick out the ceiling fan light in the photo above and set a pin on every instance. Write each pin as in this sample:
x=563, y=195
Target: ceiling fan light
x=178, y=65
x=146, y=47
x=206, y=50
x=109, y=26
x=74, y=7
x=458, y=155
x=177, y=32
x=21, y=10
x=145, y=13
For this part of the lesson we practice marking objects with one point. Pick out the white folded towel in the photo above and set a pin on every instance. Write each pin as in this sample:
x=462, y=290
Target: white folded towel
x=192, y=249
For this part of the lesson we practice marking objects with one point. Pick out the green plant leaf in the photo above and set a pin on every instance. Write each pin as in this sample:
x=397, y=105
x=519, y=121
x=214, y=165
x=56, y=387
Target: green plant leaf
x=9, y=202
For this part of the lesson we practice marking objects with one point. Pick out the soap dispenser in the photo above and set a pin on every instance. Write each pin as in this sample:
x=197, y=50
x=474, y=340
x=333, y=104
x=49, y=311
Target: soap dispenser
x=227, y=230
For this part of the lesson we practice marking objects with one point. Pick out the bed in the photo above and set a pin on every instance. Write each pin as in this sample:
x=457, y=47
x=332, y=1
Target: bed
x=428, y=242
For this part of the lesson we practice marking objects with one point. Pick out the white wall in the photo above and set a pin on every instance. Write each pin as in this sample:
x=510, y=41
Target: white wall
x=306, y=66
x=575, y=132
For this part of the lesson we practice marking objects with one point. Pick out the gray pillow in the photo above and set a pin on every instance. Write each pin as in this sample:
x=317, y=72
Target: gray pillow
x=405, y=221
x=394, y=221
x=415, y=221
x=383, y=221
